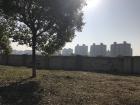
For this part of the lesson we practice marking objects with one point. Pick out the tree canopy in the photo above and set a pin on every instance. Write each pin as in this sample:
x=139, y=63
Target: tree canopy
x=44, y=25
x=53, y=22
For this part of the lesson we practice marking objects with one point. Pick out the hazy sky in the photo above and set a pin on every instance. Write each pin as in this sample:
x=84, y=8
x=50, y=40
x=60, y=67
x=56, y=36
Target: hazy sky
x=108, y=21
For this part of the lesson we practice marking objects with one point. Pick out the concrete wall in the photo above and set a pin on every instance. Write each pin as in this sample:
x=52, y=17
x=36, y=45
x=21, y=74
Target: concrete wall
x=101, y=64
x=136, y=65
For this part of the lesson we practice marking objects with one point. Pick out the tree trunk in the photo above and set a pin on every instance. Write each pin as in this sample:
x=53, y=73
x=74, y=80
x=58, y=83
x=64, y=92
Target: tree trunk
x=34, y=55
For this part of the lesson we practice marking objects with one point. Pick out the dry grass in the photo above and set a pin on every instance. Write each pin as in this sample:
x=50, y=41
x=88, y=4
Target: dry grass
x=66, y=88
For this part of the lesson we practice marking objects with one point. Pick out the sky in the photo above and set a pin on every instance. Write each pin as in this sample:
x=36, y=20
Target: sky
x=108, y=21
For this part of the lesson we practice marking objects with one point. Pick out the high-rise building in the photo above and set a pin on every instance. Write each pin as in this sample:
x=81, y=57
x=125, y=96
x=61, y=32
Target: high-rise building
x=81, y=50
x=98, y=50
x=58, y=53
x=121, y=49
x=67, y=52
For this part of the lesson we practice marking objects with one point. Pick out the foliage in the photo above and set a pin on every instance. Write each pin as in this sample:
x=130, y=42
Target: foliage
x=5, y=47
x=44, y=25
x=48, y=24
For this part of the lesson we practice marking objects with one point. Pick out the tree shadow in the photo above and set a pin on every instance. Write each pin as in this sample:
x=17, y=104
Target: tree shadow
x=24, y=92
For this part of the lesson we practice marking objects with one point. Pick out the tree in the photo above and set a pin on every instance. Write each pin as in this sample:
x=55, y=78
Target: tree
x=5, y=47
x=47, y=24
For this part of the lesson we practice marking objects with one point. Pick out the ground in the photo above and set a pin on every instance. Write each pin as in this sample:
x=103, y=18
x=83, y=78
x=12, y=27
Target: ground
x=66, y=88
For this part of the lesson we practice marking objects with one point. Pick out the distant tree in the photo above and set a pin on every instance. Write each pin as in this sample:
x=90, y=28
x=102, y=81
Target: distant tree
x=44, y=25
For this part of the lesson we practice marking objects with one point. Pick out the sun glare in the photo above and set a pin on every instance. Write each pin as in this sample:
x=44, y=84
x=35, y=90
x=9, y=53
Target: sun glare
x=93, y=3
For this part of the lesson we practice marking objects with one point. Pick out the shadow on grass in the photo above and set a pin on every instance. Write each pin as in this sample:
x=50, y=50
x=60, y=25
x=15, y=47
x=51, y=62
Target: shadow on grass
x=24, y=92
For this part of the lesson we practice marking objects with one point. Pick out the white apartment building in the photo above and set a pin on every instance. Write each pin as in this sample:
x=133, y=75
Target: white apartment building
x=121, y=49
x=81, y=50
x=58, y=53
x=98, y=50
x=67, y=52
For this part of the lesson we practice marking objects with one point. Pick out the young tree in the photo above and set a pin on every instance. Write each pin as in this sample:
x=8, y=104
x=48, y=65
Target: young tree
x=5, y=47
x=47, y=24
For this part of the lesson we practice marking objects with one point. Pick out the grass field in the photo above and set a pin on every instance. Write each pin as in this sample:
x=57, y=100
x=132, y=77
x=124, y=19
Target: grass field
x=66, y=88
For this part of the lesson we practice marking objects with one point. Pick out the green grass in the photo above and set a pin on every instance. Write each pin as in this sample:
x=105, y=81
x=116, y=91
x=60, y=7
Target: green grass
x=66, y=88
